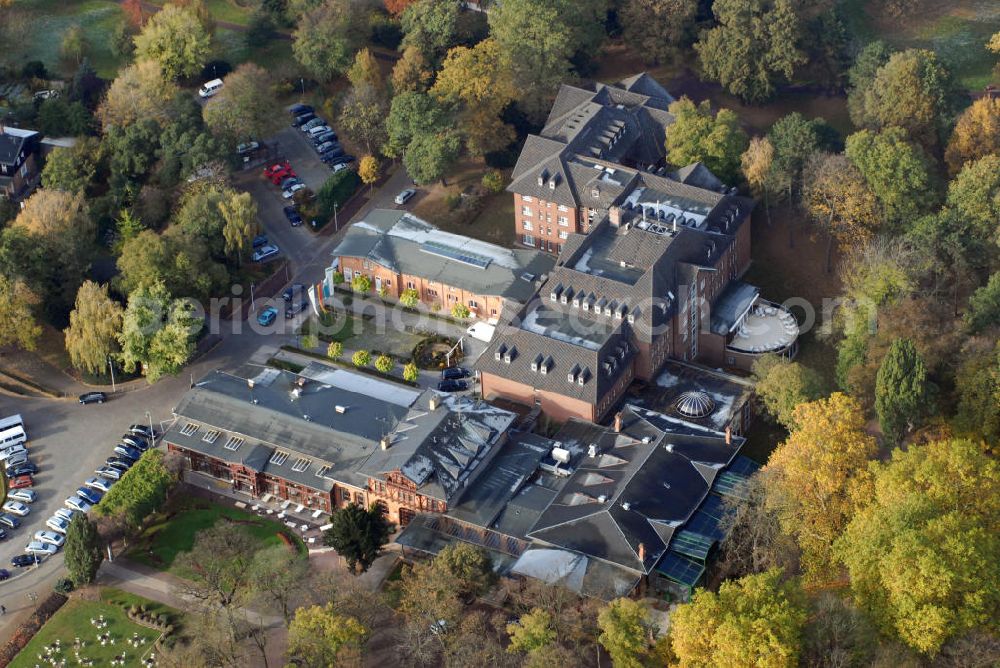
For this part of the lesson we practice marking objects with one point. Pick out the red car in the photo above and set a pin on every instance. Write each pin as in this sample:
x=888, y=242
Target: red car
x=21, y=481
x=279, y=171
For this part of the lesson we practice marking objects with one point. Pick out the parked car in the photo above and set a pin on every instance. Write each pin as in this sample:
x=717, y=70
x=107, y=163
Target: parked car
x=21, y=481
x=56, y=523
x=210, y=88
x=267, y=316
x=302, y=119
x=65, y=513
x=16, y=507
x=40, y=548
x=77, y=503
x=290, y=291
x=314, y=122
x=27, y=468
x=50, y=537
x=137, y=442
x=288, y=192
x=403, y=197
x=247, y=147
x=3, y=536
x=4, y=574
x=288, y=182
x=9, y=521
x=23, y=495
x=273, y=169
x=339, y=167
x=327, y=147
x=16, y=459
x=100, y=484
x=23, y=560
x=109, y=472
x=452, y=386
x=318, y=130
x=264, y=253
x=321, y=137
x=90, y=495
x=299, y=109
x=127, y=451
x=455, y=372
x=93, y=398
x=294, y=309
x=339, y=160
x=119, y=463
x=292, y=215
x=145, y=429
x=11, y=451
x=259, y=240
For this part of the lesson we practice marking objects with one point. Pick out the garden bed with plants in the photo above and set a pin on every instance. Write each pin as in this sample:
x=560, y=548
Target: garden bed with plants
x=431, y=353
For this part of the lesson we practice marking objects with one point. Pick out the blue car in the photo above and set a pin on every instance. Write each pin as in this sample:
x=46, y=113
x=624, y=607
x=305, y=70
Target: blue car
x=91, y=495
x=267, y=317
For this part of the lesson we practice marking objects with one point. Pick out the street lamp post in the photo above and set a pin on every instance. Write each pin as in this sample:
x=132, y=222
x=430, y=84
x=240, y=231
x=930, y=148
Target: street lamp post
x=336, y=225
x=111, y=366
x=152, y=433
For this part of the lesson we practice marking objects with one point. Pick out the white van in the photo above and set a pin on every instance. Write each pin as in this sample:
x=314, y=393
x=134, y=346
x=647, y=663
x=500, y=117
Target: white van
x=482, y=331
x=210, y=88
x=12, y=436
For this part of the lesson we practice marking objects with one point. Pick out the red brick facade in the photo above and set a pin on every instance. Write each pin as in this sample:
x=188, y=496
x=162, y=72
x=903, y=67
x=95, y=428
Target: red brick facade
x=545, y=225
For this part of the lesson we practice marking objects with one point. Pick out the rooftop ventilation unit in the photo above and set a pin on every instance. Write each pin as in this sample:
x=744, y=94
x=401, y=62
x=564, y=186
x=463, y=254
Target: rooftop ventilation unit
x=626, y=505
x=561, y=455
x=592, y=450
x=340, y=409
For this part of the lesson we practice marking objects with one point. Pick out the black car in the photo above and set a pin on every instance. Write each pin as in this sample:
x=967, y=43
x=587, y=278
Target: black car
x=259, y=240
x=452, y=385
x=455, y=372
x=329, y=135
x=302, y=119
x=299, y=109
x=120, y=463
x=22, y=560
x=90, y=495
x=3, y=536
x=4, y=574
x=93, y=398
x=291, y=290
x=339, y=160
x=293, y=310
x=293, y=216
x=143, y=430
x=9, y=520
x=127, y=451
x=27, y=468
x=138, y=442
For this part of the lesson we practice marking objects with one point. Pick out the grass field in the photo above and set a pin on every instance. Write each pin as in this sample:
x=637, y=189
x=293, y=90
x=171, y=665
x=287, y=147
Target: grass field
x=230, y=11
x=174, y=532
x=73, y=621
x=43, y=23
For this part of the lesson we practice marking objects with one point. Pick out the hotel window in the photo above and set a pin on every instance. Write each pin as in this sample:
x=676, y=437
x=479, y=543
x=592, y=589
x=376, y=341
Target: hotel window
x=527, y=198
x=563, y=208
x=528, y=227
x=189, y=429
x=473, y=304
x=410, y=285
x=493, y=311
x=431, y=293
x=564, y=235
x=211, y=436
x=279, y=457
x=526, y=211
x=345, y=496
x=234, y=443
x=366, y=264
x=528, y=240
x=563, y=221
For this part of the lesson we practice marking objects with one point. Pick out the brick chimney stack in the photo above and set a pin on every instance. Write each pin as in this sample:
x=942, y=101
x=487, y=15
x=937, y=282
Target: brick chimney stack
x=729, y=435
x=618, y=422
x=642, y=553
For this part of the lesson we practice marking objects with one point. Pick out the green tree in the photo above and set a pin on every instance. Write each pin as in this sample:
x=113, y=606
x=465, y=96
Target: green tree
x=317, y=635
x=429, y=156
x=335, y=350
x=762, y=32
x=626, y=630
x=411, y=73
x=200, y=214
x=699, y=136
x=861, y=75
x=922, y=550
x=795, y=139
x=241, y=226
x=470, y=568
x=127, y=227
x=141, y=491
x=244, y=108
x=358, y=535
x=327, y=36
x=757, y=620
x=361, y=358
x=984, y=306
x=912, y=91
x=757, y=165
x=431, y=26
x=896, y=170
x=309, y=341
x=409, y=298
x=361, y=283
x=492, y=181
x=532, y=632
x=978, y=388
x=975, y=194
x=812, y=476
x=281, y=577
x=410, y=372
x=384, y=363
x=976, y=134
x=140, y=91
x=176, y=39
x=900, y=390
x=660, y=30
x=74, y=45
x=18, y=325
x=157, y=332
x=71, y=169
x=82, y=550
x=92, y=335
x=412, y=115
x=536, y=45
x=460, y=311
x=781, y=385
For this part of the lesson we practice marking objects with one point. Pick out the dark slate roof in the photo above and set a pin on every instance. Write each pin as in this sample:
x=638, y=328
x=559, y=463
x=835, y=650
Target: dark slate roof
x=727, y=392
x=732, y=303
x=406, y=244
x=639, y=487
x=697, y=174
x=13, y=141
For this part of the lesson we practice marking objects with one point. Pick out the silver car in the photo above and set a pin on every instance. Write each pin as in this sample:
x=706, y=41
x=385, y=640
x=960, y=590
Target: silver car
x=98, y=483
x=40, y=549
x=50, y=537
x=56, y=523
x=25, y=495
x=403, y=197
x=16, y=508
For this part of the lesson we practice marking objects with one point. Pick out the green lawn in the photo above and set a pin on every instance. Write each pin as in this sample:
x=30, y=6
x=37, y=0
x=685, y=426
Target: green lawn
x=45, y=21
x=338, y=326
x=229, y=11
x=174, y=532
x=73, y=621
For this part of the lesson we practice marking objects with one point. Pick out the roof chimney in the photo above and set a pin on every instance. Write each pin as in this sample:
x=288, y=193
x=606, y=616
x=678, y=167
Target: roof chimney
x=250, y=383
x=592, y=450
x=618, y=422
x=433, y=403
x=729, y=435
x=642, y=553
x=385, y=442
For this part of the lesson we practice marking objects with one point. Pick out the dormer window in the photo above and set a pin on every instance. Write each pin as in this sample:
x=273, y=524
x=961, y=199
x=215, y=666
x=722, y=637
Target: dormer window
x=556, y=291
x=542, y=177
x=576, y=302
x=536, y=363
x=510, y=354
x=553, y=181
x=499, y=355
x=595, y=193
x=546, y=365
x=582, y=377
x=571, y=376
